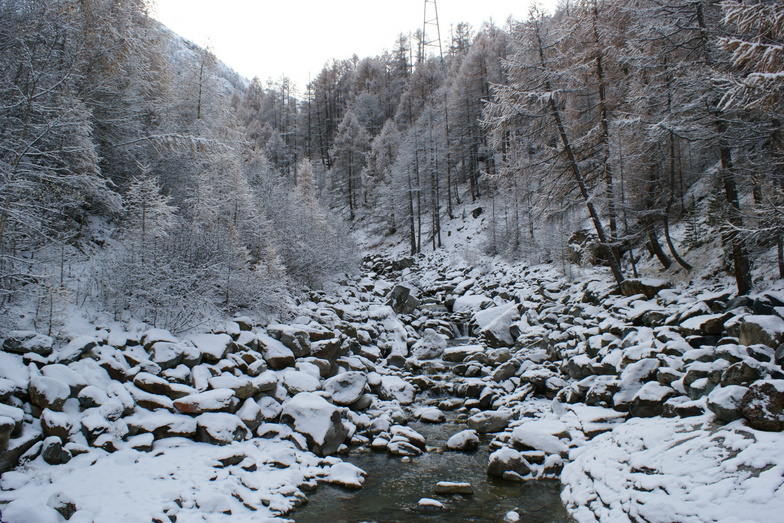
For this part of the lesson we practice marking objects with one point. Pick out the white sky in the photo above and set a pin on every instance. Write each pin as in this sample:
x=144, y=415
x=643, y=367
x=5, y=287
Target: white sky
x=295, y=38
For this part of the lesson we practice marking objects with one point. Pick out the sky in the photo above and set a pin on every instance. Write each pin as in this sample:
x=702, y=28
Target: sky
x=295, y=38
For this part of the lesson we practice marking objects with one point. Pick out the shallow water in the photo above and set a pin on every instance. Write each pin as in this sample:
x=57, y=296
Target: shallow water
x=393, y=488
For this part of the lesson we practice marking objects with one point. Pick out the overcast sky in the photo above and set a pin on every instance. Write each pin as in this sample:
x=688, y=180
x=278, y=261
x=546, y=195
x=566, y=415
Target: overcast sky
x=295, y=38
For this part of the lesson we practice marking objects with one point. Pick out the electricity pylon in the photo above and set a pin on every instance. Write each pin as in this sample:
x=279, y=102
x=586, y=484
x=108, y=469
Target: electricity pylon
x=430, y=22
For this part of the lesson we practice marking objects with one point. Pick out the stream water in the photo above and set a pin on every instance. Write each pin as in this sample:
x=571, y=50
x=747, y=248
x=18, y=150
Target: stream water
x=393, y=488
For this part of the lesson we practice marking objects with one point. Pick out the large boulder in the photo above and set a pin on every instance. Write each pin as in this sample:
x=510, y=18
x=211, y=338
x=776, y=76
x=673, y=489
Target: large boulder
x=210, y=401
x=318, y=420
x=277, y=355
x=767, y=330
x=402, y=299
x=763, y=405
x=23, y=342
x=213, y=347
x=489, y=421
x=508, y=464
x=650, y=287
x=726, y=402
x=220, y=428
x=396, y=388
x=495, y=323
x=48, y=393
x=346, y=388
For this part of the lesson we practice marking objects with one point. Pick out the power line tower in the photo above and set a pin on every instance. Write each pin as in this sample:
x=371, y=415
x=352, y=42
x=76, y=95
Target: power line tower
x=430, y=22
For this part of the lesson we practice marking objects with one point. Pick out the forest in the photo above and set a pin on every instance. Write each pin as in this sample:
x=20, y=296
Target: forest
x=142, y=178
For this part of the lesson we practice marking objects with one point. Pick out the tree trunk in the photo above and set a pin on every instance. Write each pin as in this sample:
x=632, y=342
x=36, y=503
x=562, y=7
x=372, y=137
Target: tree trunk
x=740, y=255
x=666, y=219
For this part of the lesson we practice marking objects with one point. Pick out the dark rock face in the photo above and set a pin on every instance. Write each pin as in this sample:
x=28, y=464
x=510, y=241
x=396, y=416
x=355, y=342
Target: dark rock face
x=402, y=300
x=648, y=287
x=763, y=405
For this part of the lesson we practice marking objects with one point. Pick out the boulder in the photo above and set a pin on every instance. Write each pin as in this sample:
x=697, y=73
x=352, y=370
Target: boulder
x=402, y=300
x=449, y=488
x=726, y=402
x=277, y=355
x=296, y=339
x=209, y=401
x=157, y=385
x=346, y=388
x=48, y=393
x=463, y=441
x=649, y=400
x=76, y=348
x=396, y=388
x=508, y=463
x=430, y=346
x=541, y=435
x=346, y=475
x=53, y=452
x=650, y=287
x=316, y=419
x=763, y=405
x=213, y=347
x=461, y=353
x=767, y=330
x=494, y=324
x=220, y=428
x=24, y=342
x=489, y=421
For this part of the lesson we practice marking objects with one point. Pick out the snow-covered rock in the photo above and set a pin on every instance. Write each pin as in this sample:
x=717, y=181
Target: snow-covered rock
x=763, y=405
x=213, y=347
x=346, y=475
x=318, y=420
x=494, y=324
x=277, y=355
x=220, y=428
x=346, y=388
x=464, y=441
x=462, y=352
x=24, y=342
x=726, y=402
x=490, y=421
x=471, y=303
x=430, y=346
x=209, y=401
x=508, y=464
x=396, y=388
x=49, y=393
x=766, y=330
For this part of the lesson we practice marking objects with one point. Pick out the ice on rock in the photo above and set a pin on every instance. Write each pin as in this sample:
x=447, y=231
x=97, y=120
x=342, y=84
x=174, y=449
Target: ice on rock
x=346, y=475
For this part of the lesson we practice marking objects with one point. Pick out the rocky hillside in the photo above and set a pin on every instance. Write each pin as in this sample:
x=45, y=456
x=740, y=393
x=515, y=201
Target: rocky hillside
x=636, y=398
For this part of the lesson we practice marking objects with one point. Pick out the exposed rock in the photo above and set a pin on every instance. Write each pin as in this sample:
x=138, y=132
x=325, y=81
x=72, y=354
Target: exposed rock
x=763, y=405
x=462, y=352
x=53, y=452
x=296, y=339
x=449, y=488
x=430, y=346
x=649, y=400
x=489, y=421
x=767, y=330
x=76, y=348
x=402, y=300
x=740, y=373
x=648, y=286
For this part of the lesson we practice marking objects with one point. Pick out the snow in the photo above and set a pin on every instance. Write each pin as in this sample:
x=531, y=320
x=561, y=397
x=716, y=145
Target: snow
x=134, y=486
x=663, y=470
